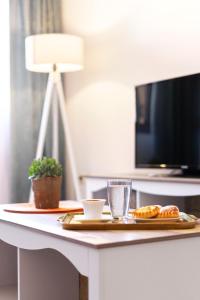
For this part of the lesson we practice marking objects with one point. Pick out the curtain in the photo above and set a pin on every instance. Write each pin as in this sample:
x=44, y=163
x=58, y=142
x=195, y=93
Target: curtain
x=28, y=17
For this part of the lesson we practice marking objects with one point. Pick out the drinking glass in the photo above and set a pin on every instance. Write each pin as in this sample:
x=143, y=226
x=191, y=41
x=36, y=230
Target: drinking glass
x=118, y=192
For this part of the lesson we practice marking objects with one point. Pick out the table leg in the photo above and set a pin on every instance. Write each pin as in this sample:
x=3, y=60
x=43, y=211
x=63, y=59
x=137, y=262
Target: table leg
x=95, y=276
x=133, y=272
x=138, y=199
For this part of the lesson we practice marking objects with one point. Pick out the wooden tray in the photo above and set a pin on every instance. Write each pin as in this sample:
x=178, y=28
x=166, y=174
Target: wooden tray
x=186, y=222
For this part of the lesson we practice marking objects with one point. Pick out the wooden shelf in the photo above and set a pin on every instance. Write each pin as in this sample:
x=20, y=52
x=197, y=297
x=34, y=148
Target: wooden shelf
x=8, y=292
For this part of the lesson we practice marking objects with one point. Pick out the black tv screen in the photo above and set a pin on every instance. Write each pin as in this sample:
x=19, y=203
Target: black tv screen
x=168, y=123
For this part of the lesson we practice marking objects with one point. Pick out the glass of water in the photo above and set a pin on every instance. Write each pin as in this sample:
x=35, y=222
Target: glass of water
x=118, y=192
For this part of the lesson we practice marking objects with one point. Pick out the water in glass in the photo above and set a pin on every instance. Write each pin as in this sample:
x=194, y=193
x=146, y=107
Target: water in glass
x=119, y=198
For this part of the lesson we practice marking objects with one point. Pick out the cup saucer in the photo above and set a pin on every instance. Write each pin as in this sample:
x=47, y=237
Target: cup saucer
x=83, y=219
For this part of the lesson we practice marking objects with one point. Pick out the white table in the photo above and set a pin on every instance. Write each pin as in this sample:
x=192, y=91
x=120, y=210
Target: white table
x=119, y=264
x=154, y=185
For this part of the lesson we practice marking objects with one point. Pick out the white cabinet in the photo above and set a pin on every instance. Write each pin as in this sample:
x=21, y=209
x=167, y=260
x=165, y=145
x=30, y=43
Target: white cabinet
x=165, y=186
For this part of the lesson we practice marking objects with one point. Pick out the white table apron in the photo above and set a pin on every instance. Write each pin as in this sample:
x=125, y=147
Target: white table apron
x=166, y=269
x=26, y=238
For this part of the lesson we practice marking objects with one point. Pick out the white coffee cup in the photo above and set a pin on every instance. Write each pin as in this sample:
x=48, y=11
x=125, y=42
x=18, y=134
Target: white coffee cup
x=93, y=208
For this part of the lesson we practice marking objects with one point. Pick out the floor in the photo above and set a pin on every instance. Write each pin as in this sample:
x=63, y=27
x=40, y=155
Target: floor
x=8, y=293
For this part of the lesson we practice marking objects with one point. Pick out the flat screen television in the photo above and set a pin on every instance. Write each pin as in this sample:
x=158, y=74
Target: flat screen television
x=168, y=125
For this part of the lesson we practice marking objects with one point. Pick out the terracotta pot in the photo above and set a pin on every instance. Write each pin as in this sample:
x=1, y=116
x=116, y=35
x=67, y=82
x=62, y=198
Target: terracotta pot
x=47, y=192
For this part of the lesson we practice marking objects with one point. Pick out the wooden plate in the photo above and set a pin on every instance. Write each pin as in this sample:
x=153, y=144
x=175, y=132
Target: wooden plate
x=29, y=208
x=156, y=220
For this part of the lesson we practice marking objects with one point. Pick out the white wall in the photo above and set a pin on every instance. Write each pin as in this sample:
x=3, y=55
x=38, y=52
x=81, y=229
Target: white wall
x=127, y=42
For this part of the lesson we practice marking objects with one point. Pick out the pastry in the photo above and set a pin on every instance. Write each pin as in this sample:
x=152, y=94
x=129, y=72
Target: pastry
x=169, y=211
x=146, y=212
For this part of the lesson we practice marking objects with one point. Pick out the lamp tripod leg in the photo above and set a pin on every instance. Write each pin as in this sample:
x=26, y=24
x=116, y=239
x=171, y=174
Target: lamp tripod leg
x=44, y=123
x=55, y=131
x=63, y=111
x=45, y=117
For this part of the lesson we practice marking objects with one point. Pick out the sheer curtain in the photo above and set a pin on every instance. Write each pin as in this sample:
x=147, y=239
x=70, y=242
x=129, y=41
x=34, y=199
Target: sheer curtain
x=28, y=17
x=4, y=102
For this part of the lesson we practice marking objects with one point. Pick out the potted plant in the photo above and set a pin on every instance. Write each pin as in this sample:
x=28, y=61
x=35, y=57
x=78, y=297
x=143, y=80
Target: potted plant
x=46, y=176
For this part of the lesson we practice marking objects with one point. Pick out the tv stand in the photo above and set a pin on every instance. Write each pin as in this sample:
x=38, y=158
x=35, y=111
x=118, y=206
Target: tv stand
x=190, y=173
x=186, y=175
x=178, y=173
x=155, y=185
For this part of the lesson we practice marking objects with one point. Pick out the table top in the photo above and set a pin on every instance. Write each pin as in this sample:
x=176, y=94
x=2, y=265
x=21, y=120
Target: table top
x=48, y=224
x=145, y=177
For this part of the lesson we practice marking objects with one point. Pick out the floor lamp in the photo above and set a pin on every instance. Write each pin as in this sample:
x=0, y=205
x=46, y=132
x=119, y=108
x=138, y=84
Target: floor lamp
x=55, y=53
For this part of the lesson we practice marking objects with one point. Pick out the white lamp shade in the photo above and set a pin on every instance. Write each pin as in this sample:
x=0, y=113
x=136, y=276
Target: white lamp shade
x=45, y=50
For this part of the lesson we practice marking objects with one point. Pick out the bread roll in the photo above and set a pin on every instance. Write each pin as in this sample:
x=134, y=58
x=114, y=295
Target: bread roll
x=169, y=211
x=146, y=212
